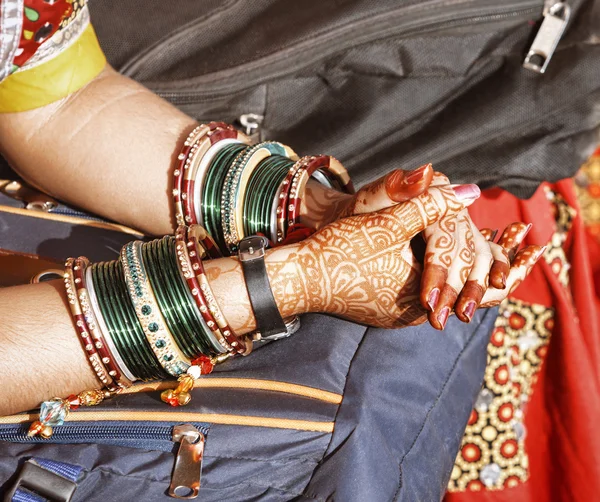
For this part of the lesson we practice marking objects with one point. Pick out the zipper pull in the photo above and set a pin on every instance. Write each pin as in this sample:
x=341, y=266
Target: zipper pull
x=185, y=481
x=251, y=123
x=547, y=38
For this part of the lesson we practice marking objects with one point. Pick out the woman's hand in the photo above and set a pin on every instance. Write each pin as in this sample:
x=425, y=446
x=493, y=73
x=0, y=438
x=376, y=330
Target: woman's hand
x=322, y=205
x=461, y=263
x=362, y=267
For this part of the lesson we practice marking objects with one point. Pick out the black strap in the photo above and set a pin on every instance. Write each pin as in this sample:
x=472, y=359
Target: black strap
x=268, y=319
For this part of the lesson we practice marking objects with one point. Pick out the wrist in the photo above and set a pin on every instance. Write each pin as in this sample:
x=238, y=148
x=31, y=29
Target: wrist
x=322, y=205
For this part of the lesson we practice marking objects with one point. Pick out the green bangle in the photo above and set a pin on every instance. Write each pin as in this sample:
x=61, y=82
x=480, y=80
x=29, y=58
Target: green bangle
x=234, y=187
x=148, y=312
x=262, y=187
x=150, y=366
x=106, y=301
x=201, y=334
x=170, y=309
x=213, y=188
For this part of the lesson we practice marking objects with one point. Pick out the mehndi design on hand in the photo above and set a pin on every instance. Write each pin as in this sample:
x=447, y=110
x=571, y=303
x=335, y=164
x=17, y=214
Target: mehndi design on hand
x=362, y=267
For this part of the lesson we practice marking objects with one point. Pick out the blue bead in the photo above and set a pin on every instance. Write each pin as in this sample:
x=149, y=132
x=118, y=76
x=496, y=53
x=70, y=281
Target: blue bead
x=53, y=412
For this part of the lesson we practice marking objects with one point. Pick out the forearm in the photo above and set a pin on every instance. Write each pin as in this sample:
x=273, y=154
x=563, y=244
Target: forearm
x=111, y=149
x=40, y=351
x=108, y=149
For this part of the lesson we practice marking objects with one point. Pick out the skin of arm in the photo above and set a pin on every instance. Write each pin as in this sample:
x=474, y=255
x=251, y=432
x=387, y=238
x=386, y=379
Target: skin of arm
x=42, y=359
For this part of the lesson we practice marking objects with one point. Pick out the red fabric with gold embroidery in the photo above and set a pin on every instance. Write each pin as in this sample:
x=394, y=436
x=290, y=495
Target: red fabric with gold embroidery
x=559, y=458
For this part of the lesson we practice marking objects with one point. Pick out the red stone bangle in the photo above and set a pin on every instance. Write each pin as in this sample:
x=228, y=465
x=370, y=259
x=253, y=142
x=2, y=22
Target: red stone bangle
x=284, y=195
x=195, y=253
x=298, y=185
x=185, y=176
x=85, y=338
x=184, y=161
x=79, y=268
x=184, y=260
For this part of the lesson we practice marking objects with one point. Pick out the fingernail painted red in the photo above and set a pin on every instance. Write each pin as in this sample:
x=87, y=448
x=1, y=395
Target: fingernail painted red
x=526, y=231
x=503, y=279
x=469, y=311
x=466, y=193
x=416, y=175
x=433, y=298
x=494, y=235
x=443, y=316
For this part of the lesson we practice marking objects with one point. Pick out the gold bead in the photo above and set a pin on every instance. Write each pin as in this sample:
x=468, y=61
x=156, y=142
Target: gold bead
x=91, y=397
x=184, y=398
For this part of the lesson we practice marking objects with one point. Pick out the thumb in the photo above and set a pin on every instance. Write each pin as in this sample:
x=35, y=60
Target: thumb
x=396, y=186
x=417, y=214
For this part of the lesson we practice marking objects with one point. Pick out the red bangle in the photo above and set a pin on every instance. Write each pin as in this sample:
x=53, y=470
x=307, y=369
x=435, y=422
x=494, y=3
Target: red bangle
x=79, y=268
x=186, y=265
x=195, y=253
x=87, y=343
x=296, y=190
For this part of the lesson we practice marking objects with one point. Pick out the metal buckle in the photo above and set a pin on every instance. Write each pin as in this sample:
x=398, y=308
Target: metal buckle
x=252, y=248
x=43, y=482
x=30, y=197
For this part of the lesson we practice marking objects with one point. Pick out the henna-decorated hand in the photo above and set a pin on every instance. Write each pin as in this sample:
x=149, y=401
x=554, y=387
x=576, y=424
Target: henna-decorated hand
x=362, y=267
x=461, y=263
x=322, y=205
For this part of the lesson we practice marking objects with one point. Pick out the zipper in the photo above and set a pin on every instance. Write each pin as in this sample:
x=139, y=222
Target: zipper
x=548, y=36
x=187, y=470
x=432, y=15
x=185, y=481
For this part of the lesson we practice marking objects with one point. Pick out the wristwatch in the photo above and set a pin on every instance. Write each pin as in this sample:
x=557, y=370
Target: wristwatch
x=269, y=323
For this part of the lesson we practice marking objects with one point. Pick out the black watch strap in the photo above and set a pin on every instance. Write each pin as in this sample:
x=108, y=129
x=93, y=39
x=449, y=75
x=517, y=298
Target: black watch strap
x=251, y=253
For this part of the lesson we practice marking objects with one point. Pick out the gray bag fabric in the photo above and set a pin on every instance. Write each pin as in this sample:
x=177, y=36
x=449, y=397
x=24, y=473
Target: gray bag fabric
x=404, y=400
x=379, y=84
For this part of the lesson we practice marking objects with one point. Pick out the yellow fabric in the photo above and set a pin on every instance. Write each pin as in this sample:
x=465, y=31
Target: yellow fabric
x=55, y=79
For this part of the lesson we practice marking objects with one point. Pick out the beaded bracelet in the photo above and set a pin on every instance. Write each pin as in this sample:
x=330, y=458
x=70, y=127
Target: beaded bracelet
x=161, y=341
x=79, y=269
x=81, y=325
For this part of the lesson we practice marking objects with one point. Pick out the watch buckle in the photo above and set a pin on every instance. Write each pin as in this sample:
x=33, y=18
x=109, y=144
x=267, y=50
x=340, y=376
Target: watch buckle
x=252, y=248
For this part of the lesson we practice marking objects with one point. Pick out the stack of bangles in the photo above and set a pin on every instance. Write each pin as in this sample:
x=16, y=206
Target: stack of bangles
x=151, y=314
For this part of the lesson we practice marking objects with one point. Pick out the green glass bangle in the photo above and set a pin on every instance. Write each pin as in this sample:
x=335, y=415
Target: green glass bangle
x=118, y=335
x=113, y=332
x=175, y=302
x=267, y=218
x=156, y=331
x=171, y=311
x=262, y=187
x=213, y=188
x=200, y=334
x=251, y=218
x=151, y=366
